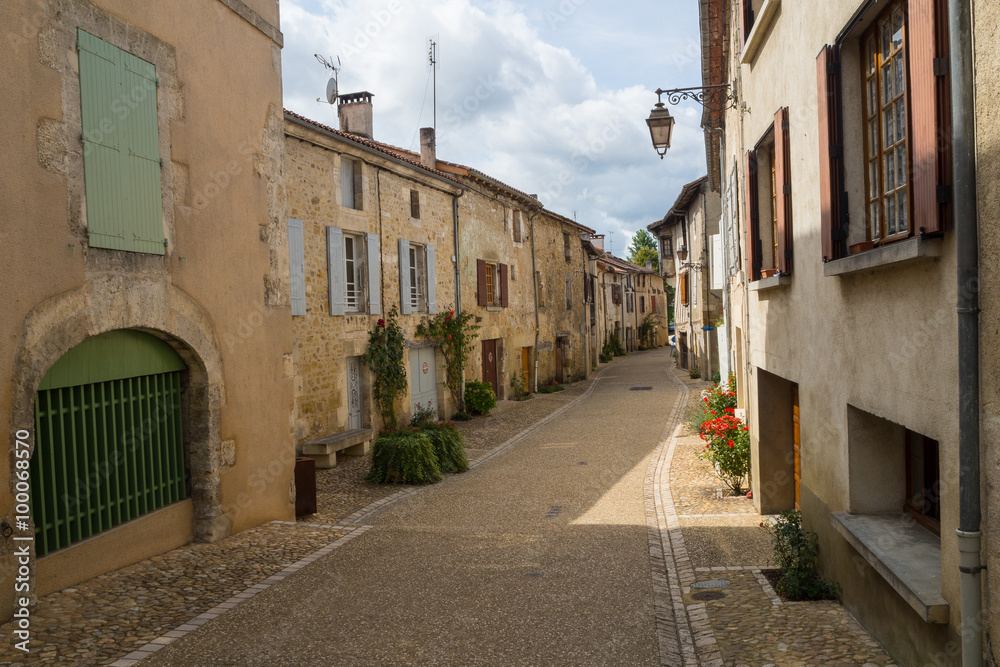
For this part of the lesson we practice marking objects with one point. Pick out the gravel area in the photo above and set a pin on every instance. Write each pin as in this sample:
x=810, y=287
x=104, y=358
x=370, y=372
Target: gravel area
x=108, y=616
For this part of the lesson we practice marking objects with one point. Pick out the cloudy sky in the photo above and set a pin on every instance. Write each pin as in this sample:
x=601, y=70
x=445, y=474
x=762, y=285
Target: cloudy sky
x=549, y=96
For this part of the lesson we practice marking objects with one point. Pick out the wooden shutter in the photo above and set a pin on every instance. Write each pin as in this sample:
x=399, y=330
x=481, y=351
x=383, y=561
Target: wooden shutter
x=481, y=282
x=930, y=114
x=752, y=217
x=503, y=285
x=121, y=157
x=335, y=269
x=684, y=289
x=414, y=204
x=652, y=303
x=297, y=266
x=830, y=153
x=783, y=182
x=405, y=305
x=432, y=306
x=374, y=276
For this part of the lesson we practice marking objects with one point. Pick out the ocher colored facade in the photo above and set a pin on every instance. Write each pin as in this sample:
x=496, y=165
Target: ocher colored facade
x=217, y=295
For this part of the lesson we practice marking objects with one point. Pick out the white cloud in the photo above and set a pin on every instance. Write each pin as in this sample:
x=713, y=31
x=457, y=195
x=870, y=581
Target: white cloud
x=510, y=102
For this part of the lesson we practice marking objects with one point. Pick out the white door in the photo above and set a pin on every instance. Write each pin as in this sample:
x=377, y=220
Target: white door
x=354, y=392
x=423, y=379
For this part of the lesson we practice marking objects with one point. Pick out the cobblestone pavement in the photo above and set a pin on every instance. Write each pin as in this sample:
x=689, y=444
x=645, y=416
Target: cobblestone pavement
x=748, y=625
x=96, y=621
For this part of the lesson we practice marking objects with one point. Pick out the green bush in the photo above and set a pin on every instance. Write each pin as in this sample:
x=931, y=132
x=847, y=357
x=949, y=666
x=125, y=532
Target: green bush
x=460, y=417
x=449, y=446
x=796, y=551
x=695, y=374
x=423, y=416
x=613, y=346
x=404, y=456
x=550, y=388
x=479, y=397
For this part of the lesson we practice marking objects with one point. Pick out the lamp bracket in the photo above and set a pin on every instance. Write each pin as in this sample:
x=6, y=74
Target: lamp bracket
x=698, y=94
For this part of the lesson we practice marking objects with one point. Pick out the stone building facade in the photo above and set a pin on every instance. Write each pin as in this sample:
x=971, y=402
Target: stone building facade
x=839, y=193
x=146, y=347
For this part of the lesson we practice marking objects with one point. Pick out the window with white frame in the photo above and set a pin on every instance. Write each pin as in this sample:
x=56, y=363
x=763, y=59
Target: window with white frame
x=353, y=272
x=416, y=278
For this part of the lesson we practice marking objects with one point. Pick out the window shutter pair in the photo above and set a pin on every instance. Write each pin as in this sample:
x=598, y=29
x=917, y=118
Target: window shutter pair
x=752, y=217
x=297, y=266
x=783, y=183
x=121, y=156
x=405, y=305
x=335, y=264
x=832, y=199
x=481, y=287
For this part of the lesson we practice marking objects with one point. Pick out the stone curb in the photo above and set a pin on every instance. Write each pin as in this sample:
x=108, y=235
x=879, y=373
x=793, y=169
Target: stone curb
x=185, y=628
x=366, y=513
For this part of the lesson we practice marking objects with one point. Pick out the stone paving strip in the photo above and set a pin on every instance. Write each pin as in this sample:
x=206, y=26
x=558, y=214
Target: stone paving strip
x=748, y=624
x=140, y=608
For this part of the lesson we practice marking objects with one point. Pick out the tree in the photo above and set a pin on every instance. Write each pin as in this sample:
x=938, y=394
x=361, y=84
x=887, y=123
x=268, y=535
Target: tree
x=643, y=249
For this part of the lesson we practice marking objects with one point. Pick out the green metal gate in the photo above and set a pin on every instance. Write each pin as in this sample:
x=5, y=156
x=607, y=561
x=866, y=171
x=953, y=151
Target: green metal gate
x=108, y=448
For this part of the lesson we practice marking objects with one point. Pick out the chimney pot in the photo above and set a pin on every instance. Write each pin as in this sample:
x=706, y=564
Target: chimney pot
x=428, y=148
x=355, y=113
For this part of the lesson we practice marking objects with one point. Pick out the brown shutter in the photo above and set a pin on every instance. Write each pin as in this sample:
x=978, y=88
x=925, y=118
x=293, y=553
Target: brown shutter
x=746, y=20
x=930, y=114
x=359, y=194
x=481, y=282
x=783, y=181
x=503, y=285
x=828, y=82
x=752, y=217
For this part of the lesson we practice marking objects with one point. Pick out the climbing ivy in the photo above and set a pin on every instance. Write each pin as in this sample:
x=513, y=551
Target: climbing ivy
x=455, y=336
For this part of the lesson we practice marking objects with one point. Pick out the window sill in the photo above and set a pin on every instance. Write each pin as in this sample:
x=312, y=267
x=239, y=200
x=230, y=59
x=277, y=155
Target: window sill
x=907, y=555
x=892, y=253
x=770, y=283
x=756, y=37
x=494, y=309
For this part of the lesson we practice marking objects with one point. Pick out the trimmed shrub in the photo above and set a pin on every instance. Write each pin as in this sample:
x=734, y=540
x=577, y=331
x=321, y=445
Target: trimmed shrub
x=404, y=456
x=460, y=417
x=479, y=397
x=449, y=446
x=797, y=552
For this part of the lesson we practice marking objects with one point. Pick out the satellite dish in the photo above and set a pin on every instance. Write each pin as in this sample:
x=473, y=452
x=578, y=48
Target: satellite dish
x=331, y=90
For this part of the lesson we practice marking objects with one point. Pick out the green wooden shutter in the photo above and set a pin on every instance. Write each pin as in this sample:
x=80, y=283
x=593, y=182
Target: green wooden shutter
x=121, y=148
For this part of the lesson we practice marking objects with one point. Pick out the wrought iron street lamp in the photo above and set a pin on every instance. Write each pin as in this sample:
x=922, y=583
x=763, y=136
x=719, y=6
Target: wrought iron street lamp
x=661, y=123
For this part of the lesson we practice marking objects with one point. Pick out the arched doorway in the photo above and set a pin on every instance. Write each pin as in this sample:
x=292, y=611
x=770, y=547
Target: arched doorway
x=109, y=443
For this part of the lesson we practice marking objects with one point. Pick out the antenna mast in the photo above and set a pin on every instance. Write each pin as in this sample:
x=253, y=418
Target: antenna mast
x=433, y=58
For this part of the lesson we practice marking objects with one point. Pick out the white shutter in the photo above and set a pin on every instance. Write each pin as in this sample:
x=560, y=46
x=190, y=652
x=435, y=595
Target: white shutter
x=405, y=306
x=432, y=306
x=716, y=261
x=346, y=182
x=297, y=266
x=374, y=276
x=335, y=269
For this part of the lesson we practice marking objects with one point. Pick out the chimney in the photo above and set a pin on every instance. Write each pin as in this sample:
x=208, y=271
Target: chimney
x=428, y=150
x=355, y=111
x=598, y=241
x=649, y=265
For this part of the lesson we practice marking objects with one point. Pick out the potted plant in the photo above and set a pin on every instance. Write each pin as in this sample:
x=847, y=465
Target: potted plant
x=861, y=247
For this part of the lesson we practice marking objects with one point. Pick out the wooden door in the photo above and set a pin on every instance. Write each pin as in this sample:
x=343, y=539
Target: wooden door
x=559, y=360
x=796, y=443
x=423, y=379
x=490, y=364
x=354, y=403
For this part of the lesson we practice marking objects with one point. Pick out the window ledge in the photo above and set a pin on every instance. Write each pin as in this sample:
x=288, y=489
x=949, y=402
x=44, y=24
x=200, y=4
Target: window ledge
x=907, y=555
x=494, y=309
x=770, y=283
x=756, y=37
x=892, y=253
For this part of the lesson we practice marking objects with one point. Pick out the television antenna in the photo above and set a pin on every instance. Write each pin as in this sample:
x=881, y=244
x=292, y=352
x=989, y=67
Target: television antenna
x=331, y=85
x=432, y=55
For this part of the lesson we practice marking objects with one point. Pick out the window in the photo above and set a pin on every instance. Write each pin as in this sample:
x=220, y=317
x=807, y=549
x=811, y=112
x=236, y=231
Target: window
x=616, y=294
x=121, y=152
x=567, y=250
x=350, y=183
x=353, y=275
x=417, y=286
x=923, y=501
x=900, y=102
x=769, y=244
x=886, y=182
x=746, y=19
x=667, y=247
x=518, y=227
x=414, y=204
x=642, y=304
x=492, y=284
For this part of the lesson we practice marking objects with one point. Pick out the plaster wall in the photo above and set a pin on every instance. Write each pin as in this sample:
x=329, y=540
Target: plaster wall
x=882, y=340
x=219, y=294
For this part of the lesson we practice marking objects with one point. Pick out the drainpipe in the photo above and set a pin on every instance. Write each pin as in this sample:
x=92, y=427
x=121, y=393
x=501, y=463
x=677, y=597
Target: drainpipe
x=458, y=258
x=534, y=281
x=967, y=251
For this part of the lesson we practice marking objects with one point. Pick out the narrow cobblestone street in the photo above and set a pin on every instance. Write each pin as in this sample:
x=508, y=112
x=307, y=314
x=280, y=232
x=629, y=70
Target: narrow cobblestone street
x=574, y=540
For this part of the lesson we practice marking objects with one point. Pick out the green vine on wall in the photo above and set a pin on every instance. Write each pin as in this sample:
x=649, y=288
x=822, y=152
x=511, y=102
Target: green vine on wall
x=384, y=357
x=455, y=336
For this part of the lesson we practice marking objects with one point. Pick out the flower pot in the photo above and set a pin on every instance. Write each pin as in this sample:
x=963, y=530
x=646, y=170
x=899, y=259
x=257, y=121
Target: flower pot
x=861, y=247
x=767, y=273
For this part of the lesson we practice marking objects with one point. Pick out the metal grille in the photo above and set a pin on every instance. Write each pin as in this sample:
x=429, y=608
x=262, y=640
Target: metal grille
x=105, y=454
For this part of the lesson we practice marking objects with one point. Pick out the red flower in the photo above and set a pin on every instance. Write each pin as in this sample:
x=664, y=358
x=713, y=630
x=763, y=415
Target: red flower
x=730, y=443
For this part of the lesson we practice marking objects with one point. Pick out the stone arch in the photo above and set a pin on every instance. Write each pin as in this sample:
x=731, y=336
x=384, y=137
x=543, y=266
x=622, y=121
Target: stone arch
x=154, y=306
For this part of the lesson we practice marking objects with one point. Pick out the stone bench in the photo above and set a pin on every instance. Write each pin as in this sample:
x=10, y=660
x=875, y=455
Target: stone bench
x=356, y=442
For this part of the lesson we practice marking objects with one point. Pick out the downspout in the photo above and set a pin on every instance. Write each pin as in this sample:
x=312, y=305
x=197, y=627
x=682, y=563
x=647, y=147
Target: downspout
x=534, y=281
x=967, y=254
x=458, y=257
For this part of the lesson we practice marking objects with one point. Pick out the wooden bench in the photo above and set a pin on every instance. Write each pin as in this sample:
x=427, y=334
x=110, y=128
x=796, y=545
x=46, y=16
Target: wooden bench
x=356, y=442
